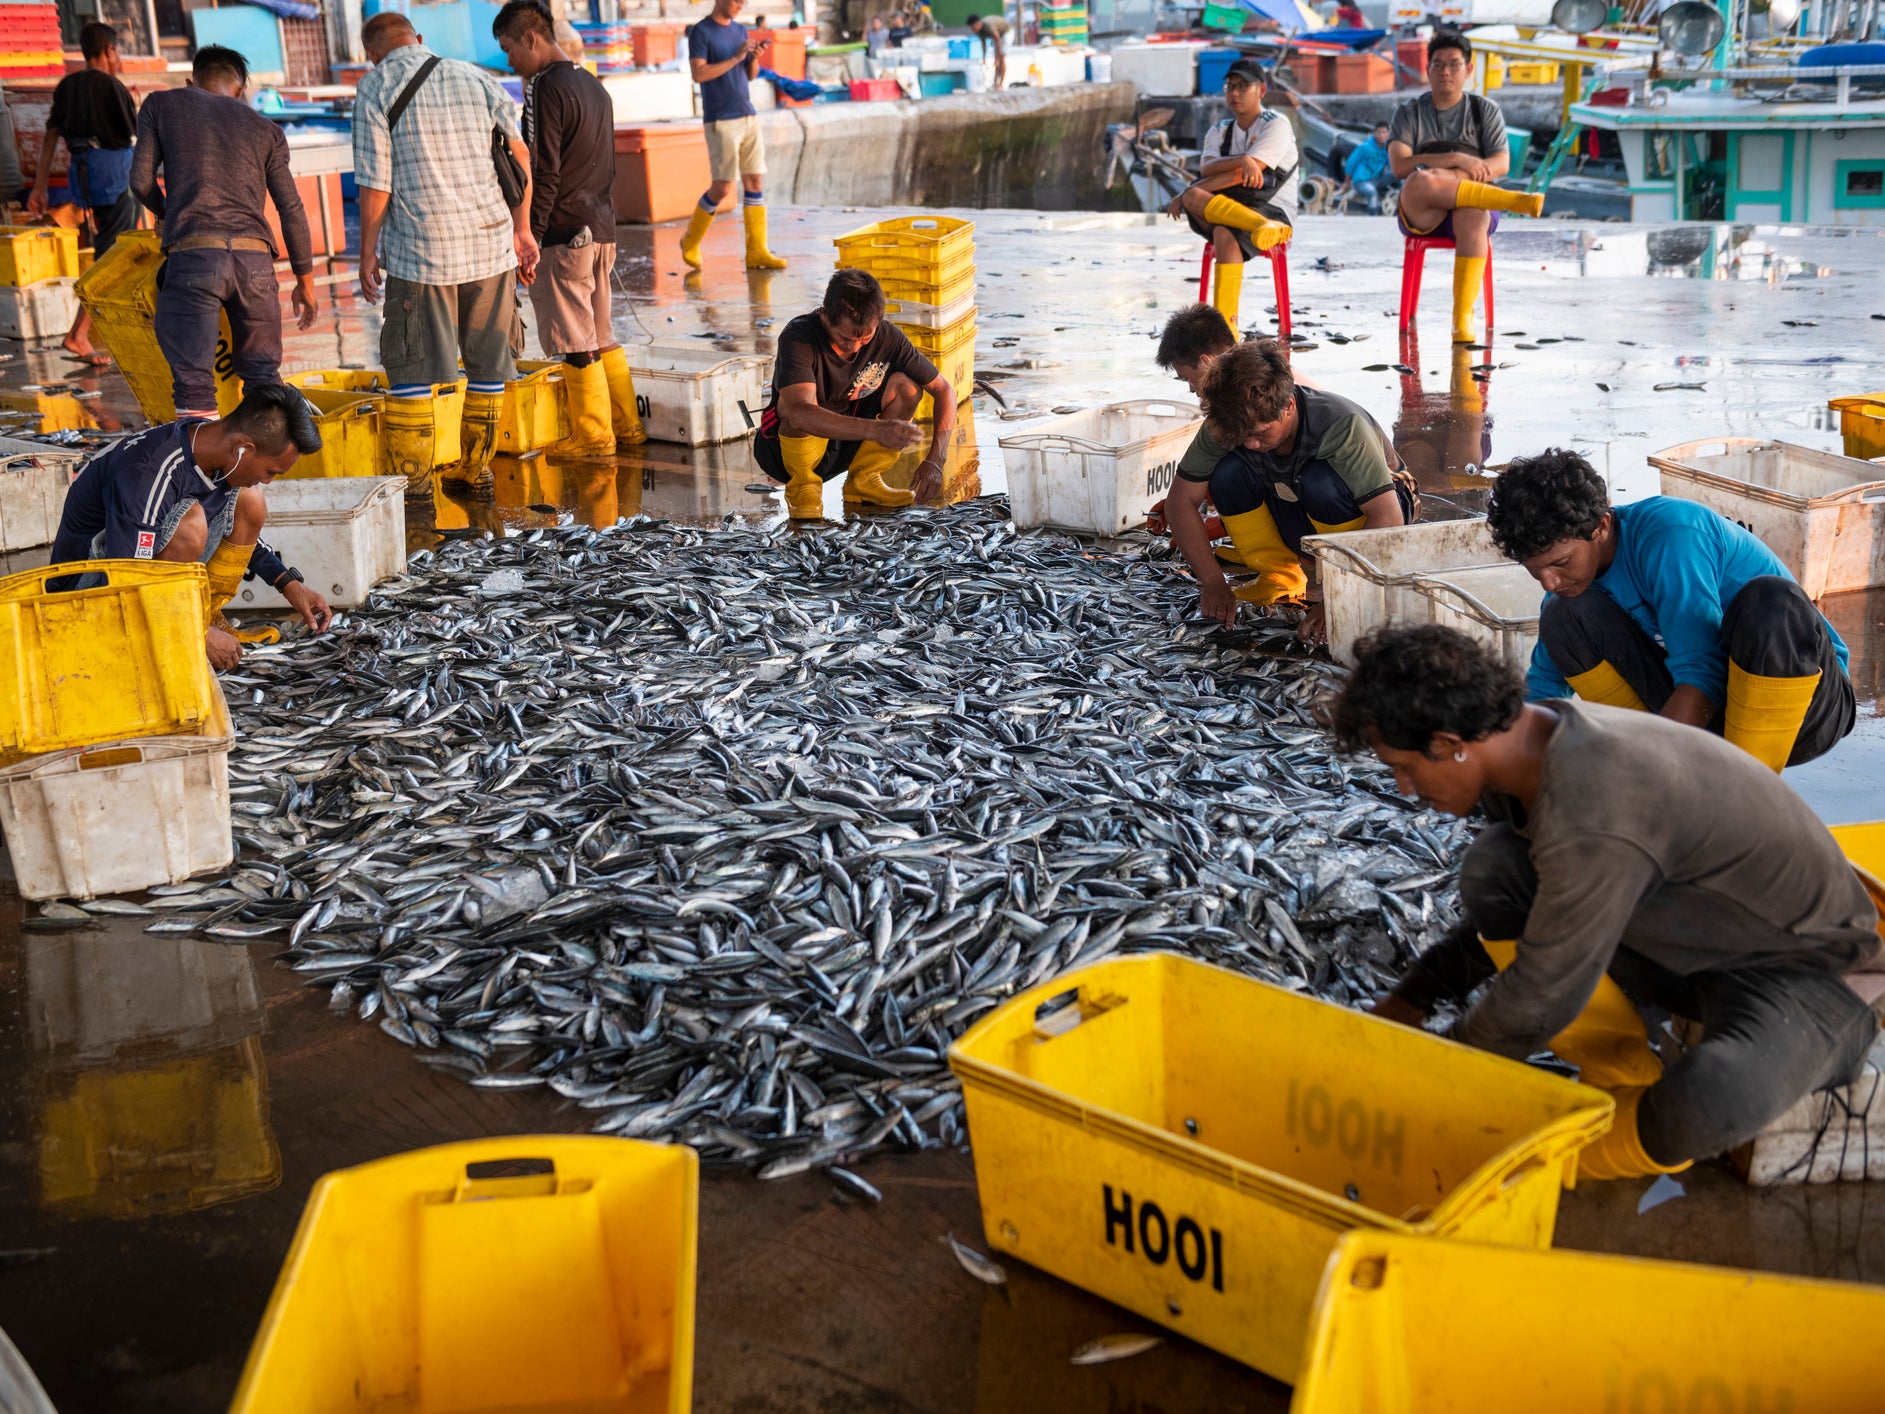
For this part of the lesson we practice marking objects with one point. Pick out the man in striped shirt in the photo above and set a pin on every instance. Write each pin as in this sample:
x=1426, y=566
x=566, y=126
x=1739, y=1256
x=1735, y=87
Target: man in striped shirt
x=191, y=491
x=439, y=242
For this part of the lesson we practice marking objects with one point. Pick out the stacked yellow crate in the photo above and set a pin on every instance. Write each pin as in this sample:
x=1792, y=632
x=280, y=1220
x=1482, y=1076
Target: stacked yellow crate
x=926, y=265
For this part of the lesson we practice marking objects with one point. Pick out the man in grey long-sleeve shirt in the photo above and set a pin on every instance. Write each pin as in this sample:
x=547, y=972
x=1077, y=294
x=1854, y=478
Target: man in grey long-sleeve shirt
x=220, y=161
x=1644, y=859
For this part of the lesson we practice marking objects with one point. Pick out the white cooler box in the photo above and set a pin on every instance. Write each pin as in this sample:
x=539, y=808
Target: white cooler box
x=32, y=497
x=1368, y=575
x=44, y=310
x=344, y=533
x=1821, y=513
x=1160, y=70
x=698, y=396
x=1099, y=471
x=120, y=816
x=1496, y=604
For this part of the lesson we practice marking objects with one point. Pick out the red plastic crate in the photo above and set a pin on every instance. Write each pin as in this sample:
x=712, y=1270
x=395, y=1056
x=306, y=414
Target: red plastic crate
x=874, y=90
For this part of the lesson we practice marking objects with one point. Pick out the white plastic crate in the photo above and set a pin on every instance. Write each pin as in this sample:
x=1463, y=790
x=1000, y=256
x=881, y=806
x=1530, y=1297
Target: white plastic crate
x=344, y=533
x=1368, y=575
x=1496, y=604
x=120, y=816
x=929, y=316
x=1821, y=513
x=32, y=497
x=696, y=395
x=1166, y=70
x=39, y=311
x=1098, y=471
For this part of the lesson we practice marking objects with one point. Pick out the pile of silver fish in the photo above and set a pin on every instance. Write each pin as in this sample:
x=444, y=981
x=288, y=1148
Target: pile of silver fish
x=724, y=835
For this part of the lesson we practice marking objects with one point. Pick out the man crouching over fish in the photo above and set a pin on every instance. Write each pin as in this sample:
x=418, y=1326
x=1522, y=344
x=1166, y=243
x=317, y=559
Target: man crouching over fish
x=191, y=491
x=845, y=384
x=1633, y=858
x=1301, y=462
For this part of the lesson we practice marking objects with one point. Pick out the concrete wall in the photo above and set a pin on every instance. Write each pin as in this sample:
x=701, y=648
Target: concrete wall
x=1041, y=148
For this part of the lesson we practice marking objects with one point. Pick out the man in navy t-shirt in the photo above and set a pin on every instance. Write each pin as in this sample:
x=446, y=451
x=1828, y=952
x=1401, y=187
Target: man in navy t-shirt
x=724, y=57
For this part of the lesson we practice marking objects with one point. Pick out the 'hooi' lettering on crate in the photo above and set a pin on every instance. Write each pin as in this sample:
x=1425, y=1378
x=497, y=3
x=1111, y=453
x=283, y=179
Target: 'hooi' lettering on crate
x=1318, y=1118
x=1149, y=1233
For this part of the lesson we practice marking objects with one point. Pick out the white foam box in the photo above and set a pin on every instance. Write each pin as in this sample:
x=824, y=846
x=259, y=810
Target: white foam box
x=1160, y=70
x=32, y=496
x=650, y=96
x=1101, y=470
x=40, y=311
x=344, y=533
x=1828, y=1137
x=698, y=396
x=120, y=816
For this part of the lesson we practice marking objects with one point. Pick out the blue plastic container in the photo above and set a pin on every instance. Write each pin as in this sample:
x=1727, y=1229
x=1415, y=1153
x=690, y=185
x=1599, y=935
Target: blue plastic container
x=939, y=85
x=1213, y=64
x=961, y=48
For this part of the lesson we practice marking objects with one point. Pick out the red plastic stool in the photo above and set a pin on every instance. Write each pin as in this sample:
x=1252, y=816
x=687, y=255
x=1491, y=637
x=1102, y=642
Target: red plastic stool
x=1414, y=262
x=1278, y=256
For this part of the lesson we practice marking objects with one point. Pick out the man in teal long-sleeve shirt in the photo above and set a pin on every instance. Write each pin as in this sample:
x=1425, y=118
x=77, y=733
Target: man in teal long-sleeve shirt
x=1667, y=607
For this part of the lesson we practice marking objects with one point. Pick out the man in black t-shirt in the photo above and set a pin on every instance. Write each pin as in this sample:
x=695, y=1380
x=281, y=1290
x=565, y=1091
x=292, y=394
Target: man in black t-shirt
x=845, y=383
x=94, y=113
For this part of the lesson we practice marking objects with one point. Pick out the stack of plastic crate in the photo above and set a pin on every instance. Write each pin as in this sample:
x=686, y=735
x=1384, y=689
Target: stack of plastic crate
x=926, y=265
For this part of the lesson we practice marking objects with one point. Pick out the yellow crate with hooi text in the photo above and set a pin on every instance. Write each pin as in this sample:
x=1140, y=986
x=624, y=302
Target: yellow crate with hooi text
x=536, y=408
x=535, y=1272
x=1189, y=1143
x=120, y=291
x=124, y=659
x=448, y=406
x=1577, y=1333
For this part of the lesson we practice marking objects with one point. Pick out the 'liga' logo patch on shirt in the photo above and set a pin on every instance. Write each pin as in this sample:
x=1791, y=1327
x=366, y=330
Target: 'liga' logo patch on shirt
x=146, y=544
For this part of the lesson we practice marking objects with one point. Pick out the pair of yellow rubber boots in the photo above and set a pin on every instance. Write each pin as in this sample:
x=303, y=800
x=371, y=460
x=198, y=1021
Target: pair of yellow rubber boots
x=1469, y=271
x=759, y=255
x=805, y=491
x=1763, y=715
x=1228, y=285
x=603, y=418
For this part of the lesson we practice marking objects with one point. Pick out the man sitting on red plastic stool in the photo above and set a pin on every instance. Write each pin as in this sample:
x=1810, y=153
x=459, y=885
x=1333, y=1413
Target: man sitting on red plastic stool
x=1448, y=147
x=1244, y=200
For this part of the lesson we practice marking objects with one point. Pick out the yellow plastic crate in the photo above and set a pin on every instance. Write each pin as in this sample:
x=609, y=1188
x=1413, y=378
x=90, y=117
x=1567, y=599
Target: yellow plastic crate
x=1862, y=424
x=349, y=424
x=1541, y=72
x=958, y=366
x=1189, y=1143
x=121, y=293
x=29, y=254
x=937, y=342
x=123, y=660
x=536, y=409
x=421, y=1284
x=1406, y=1325
x=448, y=403
x=921, y=288
x=936, y=249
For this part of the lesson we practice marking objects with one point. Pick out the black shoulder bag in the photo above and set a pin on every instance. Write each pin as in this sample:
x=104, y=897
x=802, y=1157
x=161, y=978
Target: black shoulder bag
x=512, y=180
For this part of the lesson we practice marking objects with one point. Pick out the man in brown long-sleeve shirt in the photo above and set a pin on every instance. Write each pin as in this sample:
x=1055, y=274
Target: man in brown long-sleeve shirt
x=1641, y=860
x=221, y=160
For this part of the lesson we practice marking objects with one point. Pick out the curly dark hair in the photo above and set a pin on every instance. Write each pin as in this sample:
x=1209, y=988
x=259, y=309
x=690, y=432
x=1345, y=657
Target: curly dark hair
x=1247, y=387
x=1411, y=683
x=1449, y=39
x=1541, y=501
x=1195, y=333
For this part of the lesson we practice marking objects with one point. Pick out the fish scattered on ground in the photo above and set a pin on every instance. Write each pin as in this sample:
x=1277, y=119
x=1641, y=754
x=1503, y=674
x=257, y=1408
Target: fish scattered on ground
x=724, y=837
x=977, y=1265
x=1116, y=1347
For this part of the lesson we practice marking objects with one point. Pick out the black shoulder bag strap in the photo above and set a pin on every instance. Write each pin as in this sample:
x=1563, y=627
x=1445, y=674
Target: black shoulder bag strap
x=1272, y=180
x=405, y=94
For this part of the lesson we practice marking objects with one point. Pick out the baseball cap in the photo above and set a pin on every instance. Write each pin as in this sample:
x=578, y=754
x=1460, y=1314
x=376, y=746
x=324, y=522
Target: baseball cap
x=1250, y=71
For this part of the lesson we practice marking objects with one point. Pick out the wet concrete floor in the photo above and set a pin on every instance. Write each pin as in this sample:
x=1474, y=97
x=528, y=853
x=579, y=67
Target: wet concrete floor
x=175, y=1100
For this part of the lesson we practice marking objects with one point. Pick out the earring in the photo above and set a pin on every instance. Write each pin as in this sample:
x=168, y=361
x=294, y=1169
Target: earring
x=1459, y=756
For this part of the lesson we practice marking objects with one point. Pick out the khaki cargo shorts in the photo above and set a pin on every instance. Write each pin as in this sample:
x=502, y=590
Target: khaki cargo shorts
x=735, y=149
x=571, y=298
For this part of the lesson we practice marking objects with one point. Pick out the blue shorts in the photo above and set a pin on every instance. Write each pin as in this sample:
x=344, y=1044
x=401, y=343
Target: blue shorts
x=1441, y=232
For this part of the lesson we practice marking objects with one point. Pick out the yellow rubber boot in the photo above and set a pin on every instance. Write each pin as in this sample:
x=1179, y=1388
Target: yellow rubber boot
x=804, y=491
x=406, y=442
x=1607, y=1043
x=697, y=225
x=477, y=440
x=866, y=481
x=1227, y=291
x=1763, y=716
x=624, y=414
x=1279, y=573
x=758, y=257
x=227, y=564
x=1469, y=273
x=591, y=433
x=1605, y=686
x=1483, y=196
x=1222, y=211
x=1619, y=1153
